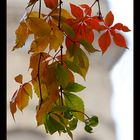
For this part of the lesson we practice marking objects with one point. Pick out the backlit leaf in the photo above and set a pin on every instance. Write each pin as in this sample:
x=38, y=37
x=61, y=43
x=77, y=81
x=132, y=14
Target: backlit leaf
x=62, y=75
x=73, y=124
x=78, y=62
x=120, y=26
x=75, y=103
x=109, y=19
x=21, y=35
x=87, y=10
x=39, y=44
x=88, y=128
x=19, y=78
x=56, y=39
x=22, y=98
x=119, y=40
x=104, y=41
x=68, y=30
x=28, y=89
x=74, y=87
x=76, y=11
x=53, y=125
x=88, y=46
x=64, y=14
x=38, y=26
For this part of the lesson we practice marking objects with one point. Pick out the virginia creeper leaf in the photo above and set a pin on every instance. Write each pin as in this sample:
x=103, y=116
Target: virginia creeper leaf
x=88, y=128
x=119, y=40
x=52, y=125
x=22, y=98
x=75, y=103
x=74, y=87
x=21, y=35
x=109, y=19
x=93, y=121
x=62, y=75
x=104, y=41
x=120, y=26
x=38, y=26
x=19, y=78
x=87, y=10
x=39, y=44
x=76, y=11
x=88, y=46
x=73, y=124
x=68, y=30
x=64, y=15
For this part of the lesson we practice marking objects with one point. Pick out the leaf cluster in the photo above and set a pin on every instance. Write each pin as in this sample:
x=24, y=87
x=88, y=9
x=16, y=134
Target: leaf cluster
x=60, y=44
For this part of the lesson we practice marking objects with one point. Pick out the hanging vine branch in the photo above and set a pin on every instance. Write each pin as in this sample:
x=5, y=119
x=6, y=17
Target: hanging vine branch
x=52, y=76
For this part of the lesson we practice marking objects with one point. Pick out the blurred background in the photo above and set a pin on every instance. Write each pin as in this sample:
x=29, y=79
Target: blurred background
x=109, y=82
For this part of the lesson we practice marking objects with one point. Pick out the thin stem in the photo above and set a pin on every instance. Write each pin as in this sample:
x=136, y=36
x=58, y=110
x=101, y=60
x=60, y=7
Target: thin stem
x=100, y=14
x=52, y=11
x=38, y=74
x=39, y=8
x=91, y=7
x=31, y=9
x=61, y=95
x=61, y=49
x=81, y=113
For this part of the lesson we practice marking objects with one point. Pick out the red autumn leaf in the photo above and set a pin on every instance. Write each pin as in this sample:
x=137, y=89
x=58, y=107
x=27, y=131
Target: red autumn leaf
x=76, y=11
x=120, y=26
x=104, y=41
x=87, y=10
x=119, y=40
x=109, y=19
x=51, y=3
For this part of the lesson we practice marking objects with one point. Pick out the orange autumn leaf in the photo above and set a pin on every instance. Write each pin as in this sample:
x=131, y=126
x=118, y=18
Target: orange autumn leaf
x=104, y=41
x=119, y=40
x=21, y=35
x=19, y=78
x=22, y=98
x=51, y=3
x=109, y=19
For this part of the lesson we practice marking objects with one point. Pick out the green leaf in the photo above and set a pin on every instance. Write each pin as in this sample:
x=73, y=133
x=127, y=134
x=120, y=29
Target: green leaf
x=68, y=114
x=88, y=129
x=68, y=30
x=62, y=75
x=60, y=108
x=93, y=121
x=74, y=87
x=52, y=125
x=77, y=61
x=88, y=46
x=73, y=124
x=75, y=103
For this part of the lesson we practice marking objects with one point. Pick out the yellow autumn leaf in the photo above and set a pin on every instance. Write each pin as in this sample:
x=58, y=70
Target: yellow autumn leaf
x=19, y=78
x=35, y=14
x=39, y=44
x=64, y=15
x=22, y=98
x=56, y=39
x=21, y=35
x=38, y=26
x=28, y=89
